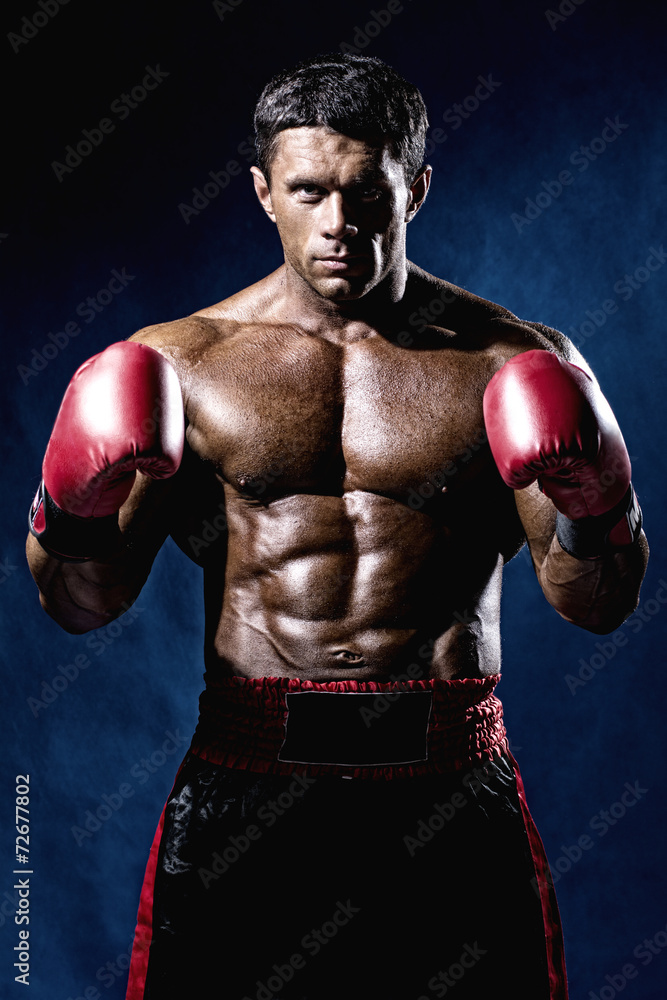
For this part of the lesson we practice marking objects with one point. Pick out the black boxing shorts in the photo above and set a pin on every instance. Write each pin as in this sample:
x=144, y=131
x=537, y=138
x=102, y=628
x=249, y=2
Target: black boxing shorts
x=348, y=840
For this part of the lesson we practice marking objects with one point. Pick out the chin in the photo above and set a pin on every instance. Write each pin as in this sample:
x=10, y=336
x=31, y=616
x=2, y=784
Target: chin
x=342, y=289
x=344, y=294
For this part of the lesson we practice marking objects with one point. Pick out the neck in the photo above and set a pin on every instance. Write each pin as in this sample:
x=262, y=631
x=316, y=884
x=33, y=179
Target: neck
x=340, y=319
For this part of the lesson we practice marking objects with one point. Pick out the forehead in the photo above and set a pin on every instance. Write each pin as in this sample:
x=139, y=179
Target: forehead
x=320, y=153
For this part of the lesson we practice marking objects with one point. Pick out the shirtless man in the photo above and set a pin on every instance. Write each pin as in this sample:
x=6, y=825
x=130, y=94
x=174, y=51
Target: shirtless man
x=345, y=434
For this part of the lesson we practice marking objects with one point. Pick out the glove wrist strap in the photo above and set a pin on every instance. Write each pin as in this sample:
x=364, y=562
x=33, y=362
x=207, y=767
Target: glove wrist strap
x=589, y=537
x=70, y=538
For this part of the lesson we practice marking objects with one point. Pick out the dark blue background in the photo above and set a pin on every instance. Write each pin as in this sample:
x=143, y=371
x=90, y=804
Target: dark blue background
x=120, y=209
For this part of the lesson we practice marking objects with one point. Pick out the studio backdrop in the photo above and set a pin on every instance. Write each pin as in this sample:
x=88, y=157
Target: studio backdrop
x=129, y=202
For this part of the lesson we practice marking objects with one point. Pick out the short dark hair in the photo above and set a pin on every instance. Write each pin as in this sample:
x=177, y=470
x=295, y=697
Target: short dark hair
x=358, y=96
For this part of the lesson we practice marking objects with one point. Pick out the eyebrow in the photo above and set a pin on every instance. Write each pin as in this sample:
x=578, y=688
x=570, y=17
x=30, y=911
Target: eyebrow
x=365, y=177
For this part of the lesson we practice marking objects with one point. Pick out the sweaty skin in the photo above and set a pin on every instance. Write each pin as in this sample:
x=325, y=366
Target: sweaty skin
x=337, y=486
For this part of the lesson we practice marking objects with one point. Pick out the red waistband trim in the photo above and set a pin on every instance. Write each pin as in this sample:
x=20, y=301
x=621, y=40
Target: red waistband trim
x=242, y=724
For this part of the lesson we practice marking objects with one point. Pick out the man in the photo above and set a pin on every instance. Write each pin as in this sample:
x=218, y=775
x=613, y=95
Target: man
x=349, y=820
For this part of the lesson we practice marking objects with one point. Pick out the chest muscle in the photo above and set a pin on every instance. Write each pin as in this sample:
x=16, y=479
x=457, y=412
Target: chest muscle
x=310, y=416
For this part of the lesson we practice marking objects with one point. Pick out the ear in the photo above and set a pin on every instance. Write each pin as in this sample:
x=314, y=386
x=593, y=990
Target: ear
x=418, y=191
x=262, y=191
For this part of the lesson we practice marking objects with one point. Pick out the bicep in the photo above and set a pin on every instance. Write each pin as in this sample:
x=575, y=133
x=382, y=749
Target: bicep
x=145, y=517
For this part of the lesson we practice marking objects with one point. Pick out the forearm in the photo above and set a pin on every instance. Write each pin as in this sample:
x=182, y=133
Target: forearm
x=96, y=521
x=597, y=594
x=557, y=444
x=87, y=595
x=81, y=596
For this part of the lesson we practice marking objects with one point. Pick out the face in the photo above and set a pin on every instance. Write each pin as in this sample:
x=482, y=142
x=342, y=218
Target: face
x=341, y=206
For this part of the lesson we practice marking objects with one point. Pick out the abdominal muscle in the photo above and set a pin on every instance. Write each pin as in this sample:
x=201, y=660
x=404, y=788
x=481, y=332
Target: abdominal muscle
x=357, y=586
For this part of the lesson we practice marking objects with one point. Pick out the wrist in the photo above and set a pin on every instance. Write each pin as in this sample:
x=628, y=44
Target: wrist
x=70, y=538
x=593, y=536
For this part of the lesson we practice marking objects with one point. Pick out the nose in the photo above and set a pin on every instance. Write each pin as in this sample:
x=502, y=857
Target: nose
x=337, y=220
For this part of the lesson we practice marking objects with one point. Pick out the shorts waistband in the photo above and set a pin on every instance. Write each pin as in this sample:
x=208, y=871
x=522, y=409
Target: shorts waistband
x=245, y=723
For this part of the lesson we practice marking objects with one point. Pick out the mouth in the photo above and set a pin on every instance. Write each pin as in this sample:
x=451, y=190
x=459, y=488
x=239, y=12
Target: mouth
x=342, y=262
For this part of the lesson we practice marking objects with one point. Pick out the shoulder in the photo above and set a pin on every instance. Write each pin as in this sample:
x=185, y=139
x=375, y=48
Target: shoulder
x=191, y=340
x=483, y=325
x=180, y=337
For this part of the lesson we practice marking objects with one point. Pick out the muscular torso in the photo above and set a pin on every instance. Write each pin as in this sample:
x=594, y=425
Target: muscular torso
x=341, y=495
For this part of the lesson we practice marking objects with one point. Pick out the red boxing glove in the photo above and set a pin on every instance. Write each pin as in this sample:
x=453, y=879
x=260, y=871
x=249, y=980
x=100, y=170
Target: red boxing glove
x=547, y=420
x=122, y=412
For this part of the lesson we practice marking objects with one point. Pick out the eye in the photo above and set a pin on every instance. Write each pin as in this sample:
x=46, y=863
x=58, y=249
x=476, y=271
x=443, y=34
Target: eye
x=369, y=194
x=309, y=192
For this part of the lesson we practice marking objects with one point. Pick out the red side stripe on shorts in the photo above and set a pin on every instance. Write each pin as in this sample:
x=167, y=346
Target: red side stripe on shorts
x=144, y=931
x=544, y=882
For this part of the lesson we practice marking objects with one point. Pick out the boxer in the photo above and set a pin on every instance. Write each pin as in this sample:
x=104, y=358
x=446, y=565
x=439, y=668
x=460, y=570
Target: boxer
x=374, y=444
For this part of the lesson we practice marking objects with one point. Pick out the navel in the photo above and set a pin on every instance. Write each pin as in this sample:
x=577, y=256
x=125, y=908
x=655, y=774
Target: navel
x=348, y=658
